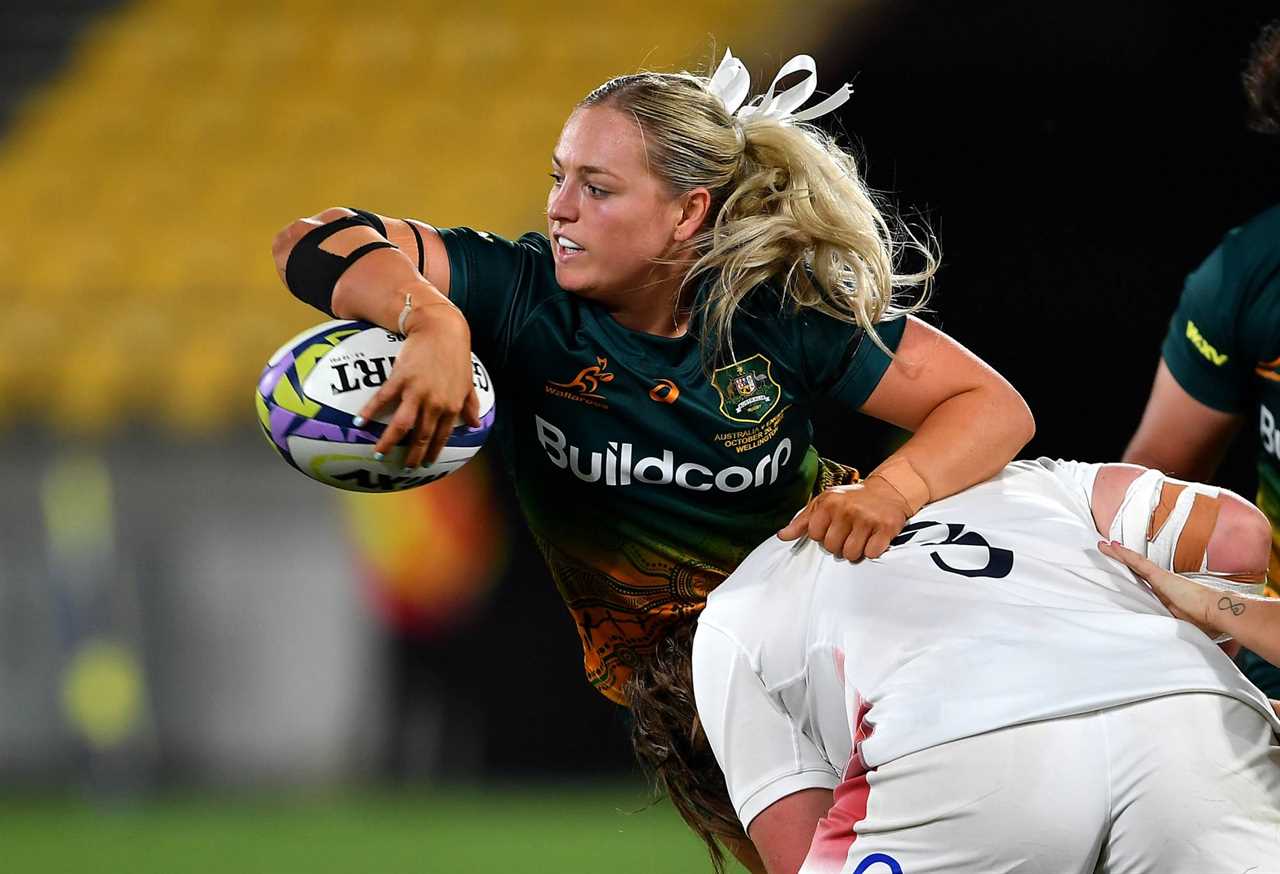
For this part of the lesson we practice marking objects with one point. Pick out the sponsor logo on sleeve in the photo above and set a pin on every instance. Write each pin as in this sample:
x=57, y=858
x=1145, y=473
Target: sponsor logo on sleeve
x=1203, y=346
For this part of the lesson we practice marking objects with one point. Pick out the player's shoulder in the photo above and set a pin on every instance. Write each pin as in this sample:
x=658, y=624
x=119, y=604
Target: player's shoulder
x=1025, y=488
x=1251, y=254
x=508, y=269
x=1265, y=226
x=483, y=246
x=1239, y=283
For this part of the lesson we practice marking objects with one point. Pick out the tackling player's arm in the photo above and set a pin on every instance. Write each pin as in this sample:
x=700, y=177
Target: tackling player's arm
x=783, y=831
x=778, y=782
x=967, y=421
x=1202, y=383
x=353, y=273
x=1202, y=433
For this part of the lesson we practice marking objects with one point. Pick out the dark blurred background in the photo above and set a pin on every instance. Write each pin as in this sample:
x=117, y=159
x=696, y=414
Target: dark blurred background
x=179, y=611
x=1076, y=161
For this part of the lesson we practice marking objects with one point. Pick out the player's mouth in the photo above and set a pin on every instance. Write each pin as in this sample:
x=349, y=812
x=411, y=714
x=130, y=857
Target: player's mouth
x=566, y=248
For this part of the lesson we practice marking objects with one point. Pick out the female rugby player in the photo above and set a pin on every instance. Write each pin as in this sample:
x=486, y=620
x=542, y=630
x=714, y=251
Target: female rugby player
x=893, y=715
x=1220, y=361
x=713, y=270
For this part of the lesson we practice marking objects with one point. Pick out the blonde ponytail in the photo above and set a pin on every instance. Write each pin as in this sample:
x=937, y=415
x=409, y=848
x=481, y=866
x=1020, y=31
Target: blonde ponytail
x=788, y=207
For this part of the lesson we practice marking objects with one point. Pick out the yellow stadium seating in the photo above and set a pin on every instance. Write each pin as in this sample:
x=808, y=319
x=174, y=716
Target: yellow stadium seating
x=144, y=184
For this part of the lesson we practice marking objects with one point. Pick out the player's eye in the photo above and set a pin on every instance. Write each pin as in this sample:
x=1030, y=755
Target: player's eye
x=596, y=191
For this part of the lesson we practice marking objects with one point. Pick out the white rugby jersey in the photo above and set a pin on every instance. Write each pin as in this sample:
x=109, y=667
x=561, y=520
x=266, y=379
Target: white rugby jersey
x=993, y=607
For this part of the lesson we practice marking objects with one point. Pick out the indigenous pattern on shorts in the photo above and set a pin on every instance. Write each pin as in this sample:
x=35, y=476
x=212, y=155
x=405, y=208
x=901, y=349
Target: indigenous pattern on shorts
x=646, y=473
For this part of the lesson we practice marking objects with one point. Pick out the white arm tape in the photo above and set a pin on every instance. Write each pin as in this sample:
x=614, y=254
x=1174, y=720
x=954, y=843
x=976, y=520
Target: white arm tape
x=1133, y=519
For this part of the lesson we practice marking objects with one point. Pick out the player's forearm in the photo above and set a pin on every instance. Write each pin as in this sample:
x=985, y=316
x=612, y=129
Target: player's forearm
x=1253, y=622
x=967, y=438
x=376, y=286
x=745, y=852
x=1202, y=432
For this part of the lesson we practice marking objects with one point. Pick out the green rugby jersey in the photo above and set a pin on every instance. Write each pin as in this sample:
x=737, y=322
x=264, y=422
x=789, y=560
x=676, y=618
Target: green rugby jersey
x=644, y=478
x=1223, y=345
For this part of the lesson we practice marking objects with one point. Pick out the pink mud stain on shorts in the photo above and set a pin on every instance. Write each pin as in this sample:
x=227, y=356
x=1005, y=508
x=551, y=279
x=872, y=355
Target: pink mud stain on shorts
x=836, y=833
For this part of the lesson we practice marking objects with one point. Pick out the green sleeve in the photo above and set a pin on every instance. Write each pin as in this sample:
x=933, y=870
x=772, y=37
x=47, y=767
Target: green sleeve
x=1203, y=349
x=495, y=281
x=844, y=364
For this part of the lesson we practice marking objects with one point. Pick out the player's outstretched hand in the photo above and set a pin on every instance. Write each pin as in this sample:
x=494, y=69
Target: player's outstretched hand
x=430, y=385
x=852, y=521
x=1185, y=599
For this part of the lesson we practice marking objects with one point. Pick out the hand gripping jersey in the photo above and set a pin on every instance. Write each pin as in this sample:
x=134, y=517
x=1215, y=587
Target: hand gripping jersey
x=1223, y=345
x=644, y=478
x=992, y=608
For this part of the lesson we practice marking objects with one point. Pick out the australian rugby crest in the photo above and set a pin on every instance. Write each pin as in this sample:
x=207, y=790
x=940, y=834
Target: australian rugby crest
x=747, y=389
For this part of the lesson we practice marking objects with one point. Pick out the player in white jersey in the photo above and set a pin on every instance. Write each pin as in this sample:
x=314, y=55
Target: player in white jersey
x=992, y=694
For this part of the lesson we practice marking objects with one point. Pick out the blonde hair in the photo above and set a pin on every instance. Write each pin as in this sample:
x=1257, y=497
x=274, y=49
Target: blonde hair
x=672, y=747
x=787, y=205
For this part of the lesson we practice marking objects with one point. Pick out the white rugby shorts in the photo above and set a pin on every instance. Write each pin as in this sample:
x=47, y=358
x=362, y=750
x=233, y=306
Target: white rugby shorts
x=1181, y=784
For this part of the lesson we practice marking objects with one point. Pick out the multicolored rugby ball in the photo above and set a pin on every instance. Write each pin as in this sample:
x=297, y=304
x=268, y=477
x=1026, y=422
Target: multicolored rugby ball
x=314, y=386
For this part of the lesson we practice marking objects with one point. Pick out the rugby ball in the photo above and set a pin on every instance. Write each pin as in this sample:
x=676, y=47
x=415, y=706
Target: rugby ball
x=314, y=386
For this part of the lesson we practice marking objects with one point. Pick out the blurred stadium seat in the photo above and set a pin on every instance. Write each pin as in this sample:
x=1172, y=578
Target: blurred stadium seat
x=145, y=182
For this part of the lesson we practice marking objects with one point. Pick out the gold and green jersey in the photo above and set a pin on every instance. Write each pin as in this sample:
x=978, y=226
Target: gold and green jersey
x=645, y=474
x=1223, y=346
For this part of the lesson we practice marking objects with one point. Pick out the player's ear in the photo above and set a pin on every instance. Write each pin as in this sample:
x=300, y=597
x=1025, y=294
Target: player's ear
x=695, y=206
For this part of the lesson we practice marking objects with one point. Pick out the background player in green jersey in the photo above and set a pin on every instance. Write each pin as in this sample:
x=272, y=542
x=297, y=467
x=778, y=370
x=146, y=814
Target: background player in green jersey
x=712, y=273
x=1221, y=358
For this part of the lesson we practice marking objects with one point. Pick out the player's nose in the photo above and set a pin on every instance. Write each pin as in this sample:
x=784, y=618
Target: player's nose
x=561, y=205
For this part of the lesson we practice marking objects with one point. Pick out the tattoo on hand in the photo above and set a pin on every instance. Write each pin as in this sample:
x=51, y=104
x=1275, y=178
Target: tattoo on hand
x=1225, y=603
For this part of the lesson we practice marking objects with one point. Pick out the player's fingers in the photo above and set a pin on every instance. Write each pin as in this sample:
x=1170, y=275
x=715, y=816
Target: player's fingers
x=819, y=522
x=420, y=442
x=417, y=449
x=1140, y=565
x=878, y=542
x=404, y=421
x=471, y=409
x=798, y=525
x=837, y=533
x=381, y=398
x=444, y=427
x=424, y=436
x=855, y=545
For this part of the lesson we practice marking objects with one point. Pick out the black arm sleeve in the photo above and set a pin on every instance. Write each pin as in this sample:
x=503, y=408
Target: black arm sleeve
x=311, y=273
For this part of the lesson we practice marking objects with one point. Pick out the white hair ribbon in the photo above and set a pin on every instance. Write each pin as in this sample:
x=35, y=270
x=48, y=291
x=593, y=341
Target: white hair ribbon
x=731, y=83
